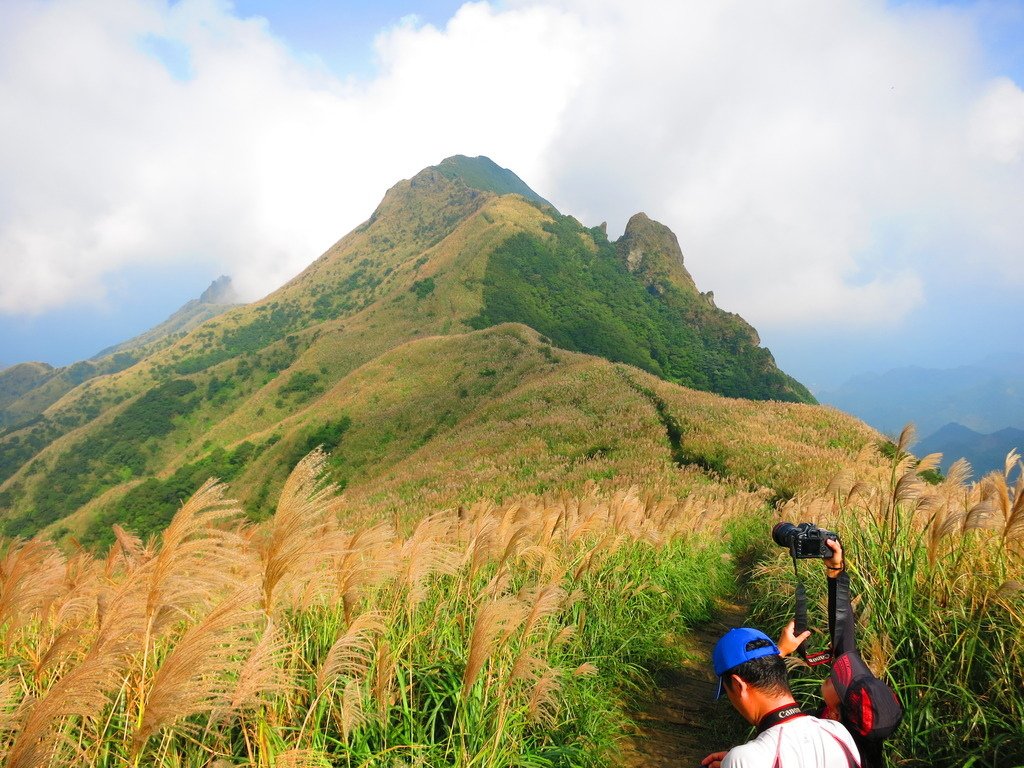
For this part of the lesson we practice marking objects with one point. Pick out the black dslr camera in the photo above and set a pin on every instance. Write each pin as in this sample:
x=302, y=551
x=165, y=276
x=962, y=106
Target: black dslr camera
x=804, y=540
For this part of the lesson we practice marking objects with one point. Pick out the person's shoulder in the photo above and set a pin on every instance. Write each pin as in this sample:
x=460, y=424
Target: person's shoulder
x=742, y=757
x=836, y=729
x=760, y=751
x=752, y=754
x=833, y=726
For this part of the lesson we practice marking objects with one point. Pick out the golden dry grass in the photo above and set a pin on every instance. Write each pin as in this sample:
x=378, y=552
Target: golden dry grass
x=222, y=640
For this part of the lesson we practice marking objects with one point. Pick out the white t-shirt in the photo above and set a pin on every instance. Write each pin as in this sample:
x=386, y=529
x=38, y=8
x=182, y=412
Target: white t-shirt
x=801, y=742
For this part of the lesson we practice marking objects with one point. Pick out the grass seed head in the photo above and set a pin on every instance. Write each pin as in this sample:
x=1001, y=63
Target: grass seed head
x=195, y=676
x=352, y=653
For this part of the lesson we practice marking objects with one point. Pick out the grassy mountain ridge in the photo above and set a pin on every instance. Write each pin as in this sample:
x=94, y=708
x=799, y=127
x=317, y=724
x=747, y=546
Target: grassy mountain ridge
x=447, y=420
x=20, y=378
x=257, y=382
x=587, y=420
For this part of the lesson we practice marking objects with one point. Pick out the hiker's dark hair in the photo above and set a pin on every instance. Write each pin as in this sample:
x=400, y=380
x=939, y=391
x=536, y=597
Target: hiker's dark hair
x=766, y=673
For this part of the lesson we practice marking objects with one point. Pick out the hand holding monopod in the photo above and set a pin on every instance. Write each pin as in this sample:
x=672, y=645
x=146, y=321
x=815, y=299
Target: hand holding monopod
x=803, y=541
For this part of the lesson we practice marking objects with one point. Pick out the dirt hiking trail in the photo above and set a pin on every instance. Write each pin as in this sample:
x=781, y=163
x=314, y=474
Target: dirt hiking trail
x=680, y=724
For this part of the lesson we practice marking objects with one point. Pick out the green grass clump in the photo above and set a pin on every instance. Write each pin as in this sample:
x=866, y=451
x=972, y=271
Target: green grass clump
x=148, y=507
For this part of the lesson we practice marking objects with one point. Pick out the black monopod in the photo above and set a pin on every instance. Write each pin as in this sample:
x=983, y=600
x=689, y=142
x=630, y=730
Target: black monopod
x=813, y=658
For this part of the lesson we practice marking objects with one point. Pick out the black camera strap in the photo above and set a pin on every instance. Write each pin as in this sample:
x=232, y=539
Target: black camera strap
x=815, y=658
x=780, y=715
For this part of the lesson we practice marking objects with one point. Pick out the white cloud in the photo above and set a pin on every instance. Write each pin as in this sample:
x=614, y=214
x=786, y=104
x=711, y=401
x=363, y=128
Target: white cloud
x=997, y=123
x=254, y=163
x=820, y=162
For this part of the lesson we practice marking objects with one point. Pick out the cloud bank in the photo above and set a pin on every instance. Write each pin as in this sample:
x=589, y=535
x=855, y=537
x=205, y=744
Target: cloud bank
x=821, y=163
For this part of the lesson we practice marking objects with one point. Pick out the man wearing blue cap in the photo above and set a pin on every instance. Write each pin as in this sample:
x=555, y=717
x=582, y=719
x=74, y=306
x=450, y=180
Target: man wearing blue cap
x=753, y=675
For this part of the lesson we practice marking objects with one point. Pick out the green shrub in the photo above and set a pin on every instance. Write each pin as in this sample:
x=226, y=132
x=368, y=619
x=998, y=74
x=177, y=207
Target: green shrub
x=148, y=507
x=423, y=288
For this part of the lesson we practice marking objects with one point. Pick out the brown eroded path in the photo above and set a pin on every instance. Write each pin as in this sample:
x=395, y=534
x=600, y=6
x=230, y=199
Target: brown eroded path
x=680, y=724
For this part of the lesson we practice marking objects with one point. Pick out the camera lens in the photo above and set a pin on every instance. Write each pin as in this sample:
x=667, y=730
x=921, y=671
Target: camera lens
x=783, y=533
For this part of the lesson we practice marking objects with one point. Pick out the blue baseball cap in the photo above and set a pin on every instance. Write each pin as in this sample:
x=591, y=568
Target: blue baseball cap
x=731, y=650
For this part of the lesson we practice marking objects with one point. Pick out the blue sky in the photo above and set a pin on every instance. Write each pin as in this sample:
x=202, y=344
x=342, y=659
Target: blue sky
x=340, y=35
x=847, y=176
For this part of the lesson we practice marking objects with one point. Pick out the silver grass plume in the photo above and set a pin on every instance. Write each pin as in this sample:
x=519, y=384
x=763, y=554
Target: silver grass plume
x=293, y=542
x=195, y=675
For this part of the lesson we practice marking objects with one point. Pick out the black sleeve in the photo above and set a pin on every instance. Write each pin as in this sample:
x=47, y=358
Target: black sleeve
x=840, y=615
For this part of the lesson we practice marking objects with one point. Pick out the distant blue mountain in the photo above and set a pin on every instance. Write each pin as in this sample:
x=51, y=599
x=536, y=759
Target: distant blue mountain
x=985, y=452
x=985, y=397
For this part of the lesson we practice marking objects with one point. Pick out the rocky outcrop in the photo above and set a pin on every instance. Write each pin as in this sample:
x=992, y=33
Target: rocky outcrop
x=651, y=251
x=221, y=291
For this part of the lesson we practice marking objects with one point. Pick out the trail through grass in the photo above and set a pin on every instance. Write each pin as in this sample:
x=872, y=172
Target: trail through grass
x=679, y=723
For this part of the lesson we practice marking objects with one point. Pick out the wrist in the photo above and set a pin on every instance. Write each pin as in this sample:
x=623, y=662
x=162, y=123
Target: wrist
x=834, y=571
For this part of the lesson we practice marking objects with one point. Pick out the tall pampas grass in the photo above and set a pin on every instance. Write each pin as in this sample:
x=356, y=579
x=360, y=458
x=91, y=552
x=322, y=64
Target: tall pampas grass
x=8, y=708
x=351, y=714
x=366, y=559
x=351, y=654
x=81, y=692
x=31, y=575
x=302, y=639
x=195, y=559
x=195, y=676
x=494, y=619
x=431, y=550
x=293, y=542
x=261, y=676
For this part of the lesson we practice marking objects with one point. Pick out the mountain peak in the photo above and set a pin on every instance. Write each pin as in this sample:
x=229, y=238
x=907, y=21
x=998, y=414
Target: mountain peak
x=462, y=246
x=221, y=291
x=449, y=191
x=484, y=174
x=217, y=298
x=651, y=251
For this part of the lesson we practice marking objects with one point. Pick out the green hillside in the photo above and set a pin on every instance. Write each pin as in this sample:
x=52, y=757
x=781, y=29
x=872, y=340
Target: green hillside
x=572, y=287
x=18, y=379
x=27, y=390
x=446, y=253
